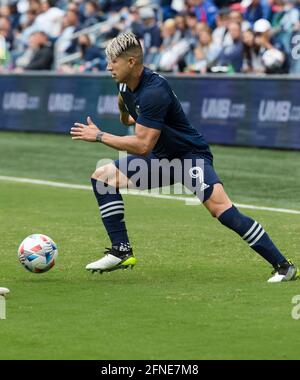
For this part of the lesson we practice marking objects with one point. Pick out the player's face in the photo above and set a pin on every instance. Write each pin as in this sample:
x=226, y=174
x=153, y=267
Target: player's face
x=120, y=68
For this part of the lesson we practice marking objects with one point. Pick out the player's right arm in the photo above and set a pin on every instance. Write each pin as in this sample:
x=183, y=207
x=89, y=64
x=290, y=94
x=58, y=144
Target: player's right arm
x=125, y=117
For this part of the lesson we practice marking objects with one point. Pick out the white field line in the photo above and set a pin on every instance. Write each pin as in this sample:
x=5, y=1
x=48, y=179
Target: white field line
x=138, y=193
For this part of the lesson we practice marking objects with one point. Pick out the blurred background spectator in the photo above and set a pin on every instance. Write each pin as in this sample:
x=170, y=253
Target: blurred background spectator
x=204, y=54
x=38, y=55
x=230, y=58
x=250, y=36
x=270, y=51
x=90, y=57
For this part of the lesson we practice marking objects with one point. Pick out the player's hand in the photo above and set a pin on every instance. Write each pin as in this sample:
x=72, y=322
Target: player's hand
x=85, y=132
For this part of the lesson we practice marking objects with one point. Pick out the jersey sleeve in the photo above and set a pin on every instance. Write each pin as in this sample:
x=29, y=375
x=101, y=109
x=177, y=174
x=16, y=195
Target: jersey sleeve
x=153, y=108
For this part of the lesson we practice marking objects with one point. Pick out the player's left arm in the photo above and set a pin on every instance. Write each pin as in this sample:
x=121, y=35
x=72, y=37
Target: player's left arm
x=125, y=117
x=140, y=144
x=154, y=105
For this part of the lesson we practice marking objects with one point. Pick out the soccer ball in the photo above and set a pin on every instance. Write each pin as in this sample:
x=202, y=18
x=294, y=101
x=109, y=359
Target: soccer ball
x=37, y=253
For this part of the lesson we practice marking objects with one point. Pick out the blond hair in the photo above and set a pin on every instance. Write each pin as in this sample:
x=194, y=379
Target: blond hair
x=124, y=44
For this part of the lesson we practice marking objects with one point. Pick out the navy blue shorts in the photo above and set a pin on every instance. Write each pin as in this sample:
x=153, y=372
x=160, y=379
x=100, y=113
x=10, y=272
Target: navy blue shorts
x=196, y=173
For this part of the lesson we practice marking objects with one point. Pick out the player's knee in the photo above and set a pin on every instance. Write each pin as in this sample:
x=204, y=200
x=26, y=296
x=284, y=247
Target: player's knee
x=98, y=174
x=218, y=201
x=217, y=209
x=214, y=212
x=103, y=173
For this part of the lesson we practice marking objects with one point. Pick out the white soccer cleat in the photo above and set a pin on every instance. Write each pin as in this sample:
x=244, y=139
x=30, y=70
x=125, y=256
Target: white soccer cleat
x=112, y=260
x=276, y=278
x=4, y=291
x=107, y=262
x=285, y=272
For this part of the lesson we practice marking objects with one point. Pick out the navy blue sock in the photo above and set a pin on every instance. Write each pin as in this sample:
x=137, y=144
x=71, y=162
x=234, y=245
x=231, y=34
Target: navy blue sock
x=111, y=207
x=253, y=233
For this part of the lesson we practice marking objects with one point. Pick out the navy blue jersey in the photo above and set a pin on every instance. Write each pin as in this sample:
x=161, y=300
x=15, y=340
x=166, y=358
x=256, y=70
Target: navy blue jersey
x=153, y=104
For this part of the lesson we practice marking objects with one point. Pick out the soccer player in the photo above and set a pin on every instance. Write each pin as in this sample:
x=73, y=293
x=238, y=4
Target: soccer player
x=162, y=133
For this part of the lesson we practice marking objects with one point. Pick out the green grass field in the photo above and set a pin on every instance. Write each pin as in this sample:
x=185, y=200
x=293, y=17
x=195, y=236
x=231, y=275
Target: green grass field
x=198, y=292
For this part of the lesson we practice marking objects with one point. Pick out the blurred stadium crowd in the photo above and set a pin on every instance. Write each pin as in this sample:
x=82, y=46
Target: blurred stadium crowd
x=188, y=36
